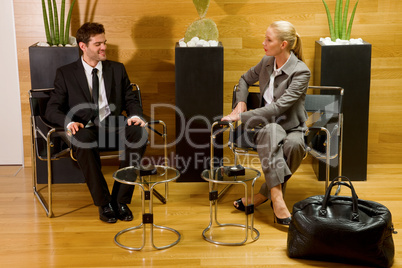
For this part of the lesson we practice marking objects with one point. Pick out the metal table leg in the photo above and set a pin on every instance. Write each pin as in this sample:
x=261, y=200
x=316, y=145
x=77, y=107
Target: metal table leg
x=147, y=218
x=213, y=197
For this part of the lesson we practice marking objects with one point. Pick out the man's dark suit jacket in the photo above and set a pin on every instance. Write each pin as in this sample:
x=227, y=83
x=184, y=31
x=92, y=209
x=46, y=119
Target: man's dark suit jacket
x=71, y=90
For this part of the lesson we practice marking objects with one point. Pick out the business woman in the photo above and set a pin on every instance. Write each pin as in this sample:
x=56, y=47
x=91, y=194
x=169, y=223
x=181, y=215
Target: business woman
x=279, y=123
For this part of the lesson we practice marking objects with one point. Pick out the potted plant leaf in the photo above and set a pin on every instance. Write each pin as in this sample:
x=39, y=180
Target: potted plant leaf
x=60, y=48
x=54, y=34
x=340, y=28
x=340, y=61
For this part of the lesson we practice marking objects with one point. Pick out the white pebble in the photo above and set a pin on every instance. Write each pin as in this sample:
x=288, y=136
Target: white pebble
x=328, y=41
x=196, y=42
x=43, y=44
x=213, y=43
x=195, y=39
x=190, y=43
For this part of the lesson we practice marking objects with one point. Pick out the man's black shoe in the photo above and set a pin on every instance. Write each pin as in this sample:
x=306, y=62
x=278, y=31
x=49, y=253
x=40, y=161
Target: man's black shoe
x=107, y=214
x=123, y=212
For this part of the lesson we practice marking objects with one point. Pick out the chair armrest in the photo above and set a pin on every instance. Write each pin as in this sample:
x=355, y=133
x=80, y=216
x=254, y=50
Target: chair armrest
x=225, y=124
x=323, y=119
x=57, y=136
x=149, y=119
x=43, y=127
x=316, y=143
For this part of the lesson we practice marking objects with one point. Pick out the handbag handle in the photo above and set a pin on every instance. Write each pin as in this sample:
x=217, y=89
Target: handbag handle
x=355, y=213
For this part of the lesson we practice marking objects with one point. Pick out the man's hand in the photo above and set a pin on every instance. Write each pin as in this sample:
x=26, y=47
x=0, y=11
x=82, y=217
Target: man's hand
x=73, y=127
x=135, y=121
x=235, y=114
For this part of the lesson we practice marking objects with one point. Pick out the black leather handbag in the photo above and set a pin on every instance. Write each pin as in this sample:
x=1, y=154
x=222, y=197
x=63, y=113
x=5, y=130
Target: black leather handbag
x=341, y=229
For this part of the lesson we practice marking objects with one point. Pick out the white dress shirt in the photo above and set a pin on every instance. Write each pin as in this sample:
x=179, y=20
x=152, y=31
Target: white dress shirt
x=269, y=93
x=104, y=109
x=103, y=105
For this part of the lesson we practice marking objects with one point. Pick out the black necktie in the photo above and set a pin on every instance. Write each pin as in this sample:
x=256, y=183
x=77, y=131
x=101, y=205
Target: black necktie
x=95, y=90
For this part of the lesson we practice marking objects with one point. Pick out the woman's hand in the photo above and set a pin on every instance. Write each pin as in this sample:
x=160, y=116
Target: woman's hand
x=235, y=114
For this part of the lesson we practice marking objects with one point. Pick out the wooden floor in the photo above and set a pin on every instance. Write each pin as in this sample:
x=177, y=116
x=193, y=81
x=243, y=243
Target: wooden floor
x=75, y=237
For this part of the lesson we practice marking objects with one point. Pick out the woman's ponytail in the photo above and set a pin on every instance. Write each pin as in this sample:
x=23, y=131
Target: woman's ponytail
x=297, y=47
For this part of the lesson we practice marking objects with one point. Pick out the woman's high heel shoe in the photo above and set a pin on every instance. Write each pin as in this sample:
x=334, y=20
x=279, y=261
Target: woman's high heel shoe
x=283, y=221
x=240, y=206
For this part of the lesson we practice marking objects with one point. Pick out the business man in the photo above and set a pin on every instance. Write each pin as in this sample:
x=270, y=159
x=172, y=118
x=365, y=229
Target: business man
x=89, y=99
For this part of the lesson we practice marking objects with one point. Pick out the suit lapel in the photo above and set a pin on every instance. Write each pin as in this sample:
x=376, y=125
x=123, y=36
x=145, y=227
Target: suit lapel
x=286, y=70
x=107, y=78
x=269, y=68
x=79, y=73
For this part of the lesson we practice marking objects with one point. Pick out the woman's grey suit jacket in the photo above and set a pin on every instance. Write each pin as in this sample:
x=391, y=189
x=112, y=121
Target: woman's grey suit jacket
x=287, y=108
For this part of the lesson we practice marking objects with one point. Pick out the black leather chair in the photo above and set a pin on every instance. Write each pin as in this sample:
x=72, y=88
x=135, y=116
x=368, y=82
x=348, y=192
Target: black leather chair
x=324, y=137
x=49, y=144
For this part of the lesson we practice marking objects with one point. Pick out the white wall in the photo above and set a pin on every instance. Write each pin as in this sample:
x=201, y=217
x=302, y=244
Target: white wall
x=11, y=143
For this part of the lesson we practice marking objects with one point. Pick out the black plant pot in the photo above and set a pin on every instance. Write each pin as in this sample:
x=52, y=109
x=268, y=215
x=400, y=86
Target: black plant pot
x=44, y=62
x=348, y=66
x=199, y=96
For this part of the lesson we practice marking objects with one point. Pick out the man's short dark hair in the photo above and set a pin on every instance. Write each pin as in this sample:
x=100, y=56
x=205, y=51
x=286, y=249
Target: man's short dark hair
x=87, y=30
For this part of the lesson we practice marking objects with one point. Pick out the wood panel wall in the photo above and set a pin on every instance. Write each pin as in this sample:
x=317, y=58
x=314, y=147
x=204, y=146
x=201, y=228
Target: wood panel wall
x=142, y=35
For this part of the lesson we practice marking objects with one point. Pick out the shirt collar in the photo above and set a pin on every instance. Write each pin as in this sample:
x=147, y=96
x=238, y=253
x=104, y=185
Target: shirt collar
x=88, y=68
x=279, y=70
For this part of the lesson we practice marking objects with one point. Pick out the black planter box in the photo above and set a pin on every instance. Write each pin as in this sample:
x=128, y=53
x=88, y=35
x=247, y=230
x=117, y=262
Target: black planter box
x=199, y=97
x=44, y=62
x=348, y=66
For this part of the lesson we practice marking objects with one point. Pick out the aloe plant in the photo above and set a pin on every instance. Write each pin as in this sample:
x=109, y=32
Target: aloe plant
x=337, y=28
x=56, y=33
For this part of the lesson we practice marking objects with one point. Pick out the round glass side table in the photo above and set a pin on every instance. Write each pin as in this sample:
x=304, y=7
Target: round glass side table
x=146, y=178
x=225, y=175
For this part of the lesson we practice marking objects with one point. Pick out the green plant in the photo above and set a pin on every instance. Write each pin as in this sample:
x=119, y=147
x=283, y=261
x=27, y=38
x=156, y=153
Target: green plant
x=337, y=29
x=56, y=33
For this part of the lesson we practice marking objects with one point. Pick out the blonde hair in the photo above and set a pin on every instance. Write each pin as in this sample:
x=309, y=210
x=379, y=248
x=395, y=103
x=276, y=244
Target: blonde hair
x=286, y=32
